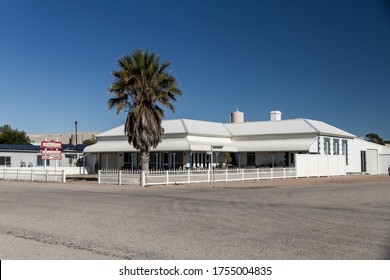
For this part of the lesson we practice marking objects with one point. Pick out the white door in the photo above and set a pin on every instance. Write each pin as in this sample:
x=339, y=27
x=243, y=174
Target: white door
x=372, y=161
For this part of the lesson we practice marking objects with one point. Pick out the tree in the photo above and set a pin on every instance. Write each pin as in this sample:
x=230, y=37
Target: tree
x=140, y=87
x=8, y=135
x=90, y=141
x=372, y=137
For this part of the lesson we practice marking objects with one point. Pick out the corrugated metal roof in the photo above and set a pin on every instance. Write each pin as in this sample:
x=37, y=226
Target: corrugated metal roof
x=295, y=126
x=180, y=144
x=205, y=128
x=325, y=128
x=195, y=127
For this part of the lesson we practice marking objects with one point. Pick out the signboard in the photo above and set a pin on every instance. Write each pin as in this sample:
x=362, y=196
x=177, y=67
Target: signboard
x=51, y=150
x=216, y=147
x=55, y=157
x=52, y=145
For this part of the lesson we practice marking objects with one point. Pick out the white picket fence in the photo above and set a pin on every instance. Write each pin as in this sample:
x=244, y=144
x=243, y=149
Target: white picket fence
x=32, y=174
x=192, y=176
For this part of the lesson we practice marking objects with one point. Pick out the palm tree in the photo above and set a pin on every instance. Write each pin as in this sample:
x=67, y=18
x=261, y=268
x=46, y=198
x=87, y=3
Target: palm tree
x=140, y=87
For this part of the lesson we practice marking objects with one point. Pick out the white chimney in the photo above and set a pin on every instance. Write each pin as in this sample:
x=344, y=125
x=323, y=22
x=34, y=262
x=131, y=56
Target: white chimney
x=237, y=117
x=275, y=115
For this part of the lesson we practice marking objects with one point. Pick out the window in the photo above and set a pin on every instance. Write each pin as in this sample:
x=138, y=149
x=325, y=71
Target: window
x=327, y=146
x=345, y=150
x=336, y=147
x=251, y=159
x=130, y=160
x=5, y=161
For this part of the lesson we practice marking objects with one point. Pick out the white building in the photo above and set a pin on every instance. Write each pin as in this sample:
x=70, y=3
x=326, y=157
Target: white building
x=29, y=156
x=275, y=143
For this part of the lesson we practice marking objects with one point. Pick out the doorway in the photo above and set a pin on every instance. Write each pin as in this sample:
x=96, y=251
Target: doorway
x=363, y=163
x=166, y=161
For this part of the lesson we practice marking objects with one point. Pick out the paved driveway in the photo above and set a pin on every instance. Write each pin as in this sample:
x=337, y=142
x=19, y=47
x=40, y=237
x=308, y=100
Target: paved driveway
x=321, y=220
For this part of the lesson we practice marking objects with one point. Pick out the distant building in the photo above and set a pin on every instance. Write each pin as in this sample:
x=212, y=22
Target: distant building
x=274, y=143
x=30, y=156
x=65, y=138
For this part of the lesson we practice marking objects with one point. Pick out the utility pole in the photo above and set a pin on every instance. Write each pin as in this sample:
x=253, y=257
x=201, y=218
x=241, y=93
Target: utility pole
x=75, y=124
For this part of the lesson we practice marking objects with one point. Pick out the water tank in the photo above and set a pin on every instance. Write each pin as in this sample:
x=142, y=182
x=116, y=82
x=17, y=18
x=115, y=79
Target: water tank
x=275, y=115
x=237, y=117
x=73, y=139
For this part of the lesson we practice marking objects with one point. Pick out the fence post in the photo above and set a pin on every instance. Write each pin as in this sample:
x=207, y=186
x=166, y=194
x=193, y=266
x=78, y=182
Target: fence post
x=143, y=178
x=226, y=175
x=47, y=175
x=208, y=175
x=189, y=176
x=242, y=174
x=120, y=177
x=272, y=173
x=17, y=173
x=284, y=172
x=257, y=174
x=32, y=175
x=99, y=177
x=63, y=176
x=4, y=174
x=167, y=177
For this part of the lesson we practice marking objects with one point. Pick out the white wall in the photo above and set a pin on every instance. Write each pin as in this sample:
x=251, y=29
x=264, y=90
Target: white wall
x=310, y=165
x=357, y=145
x=18, y=157
x=32, y=157
x=384, y=160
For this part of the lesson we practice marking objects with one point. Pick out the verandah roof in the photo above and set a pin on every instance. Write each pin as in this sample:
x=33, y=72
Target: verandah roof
x=183, y=144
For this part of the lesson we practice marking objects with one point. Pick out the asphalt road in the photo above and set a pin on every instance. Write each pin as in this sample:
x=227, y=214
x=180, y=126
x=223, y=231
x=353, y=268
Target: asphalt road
x=87, y=221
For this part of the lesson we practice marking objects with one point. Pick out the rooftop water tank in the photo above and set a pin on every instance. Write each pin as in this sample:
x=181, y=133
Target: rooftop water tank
x=237, y=117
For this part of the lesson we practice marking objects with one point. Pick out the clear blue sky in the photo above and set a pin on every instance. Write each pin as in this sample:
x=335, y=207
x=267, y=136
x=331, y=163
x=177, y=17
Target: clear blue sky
x=323, y=60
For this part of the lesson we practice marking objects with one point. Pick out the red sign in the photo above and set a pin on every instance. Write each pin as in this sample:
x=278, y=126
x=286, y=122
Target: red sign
x=51, y=150
x=51, y=145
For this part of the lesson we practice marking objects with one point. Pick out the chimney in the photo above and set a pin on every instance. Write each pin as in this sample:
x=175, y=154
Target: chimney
x=237, y=117
x=275, y=115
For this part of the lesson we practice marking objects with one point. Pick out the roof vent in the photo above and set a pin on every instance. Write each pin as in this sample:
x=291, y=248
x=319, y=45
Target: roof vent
x=275, y=115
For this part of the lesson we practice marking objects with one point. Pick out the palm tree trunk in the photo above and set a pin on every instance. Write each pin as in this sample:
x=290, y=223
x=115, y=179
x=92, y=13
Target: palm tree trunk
x=144, y=160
